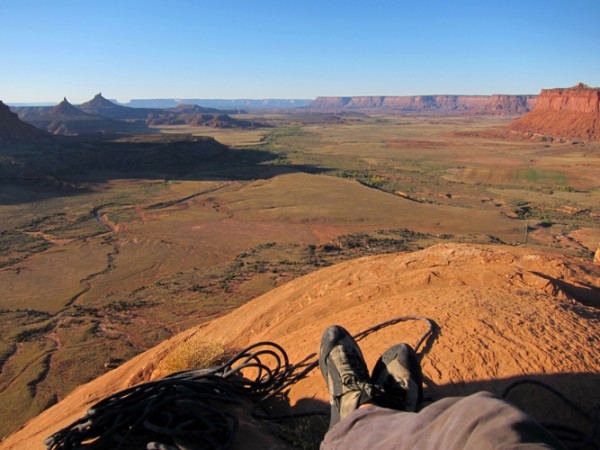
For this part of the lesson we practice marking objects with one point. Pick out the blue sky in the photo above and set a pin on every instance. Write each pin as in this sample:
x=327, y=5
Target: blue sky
x=293, y=49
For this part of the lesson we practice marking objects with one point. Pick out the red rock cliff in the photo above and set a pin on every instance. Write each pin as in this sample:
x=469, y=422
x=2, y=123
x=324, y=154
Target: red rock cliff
x=579, y=99
x=572, y=113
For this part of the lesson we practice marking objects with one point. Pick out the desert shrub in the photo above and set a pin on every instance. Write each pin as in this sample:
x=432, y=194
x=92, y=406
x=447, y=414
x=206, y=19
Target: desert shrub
x=194, y=353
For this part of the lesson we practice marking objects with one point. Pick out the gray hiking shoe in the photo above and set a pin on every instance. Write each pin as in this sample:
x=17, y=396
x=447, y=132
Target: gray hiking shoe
x=398, y=373
x=345, y=372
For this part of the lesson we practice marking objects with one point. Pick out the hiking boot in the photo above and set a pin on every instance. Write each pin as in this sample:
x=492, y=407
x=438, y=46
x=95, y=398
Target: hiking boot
x=398, y=373
x=345, y=372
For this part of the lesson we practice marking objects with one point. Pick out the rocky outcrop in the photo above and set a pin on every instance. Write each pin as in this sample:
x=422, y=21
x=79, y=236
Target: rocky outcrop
x=101, y=116
x=186, y=108
x=103, y=107
x=444, y=104
x=572, y=113
x=580, y=98
x=66, y=119
x=65, y=109
x=181, y=115
x=222, y=104
x=510, y=104
x=172, y=117
x=13, y=129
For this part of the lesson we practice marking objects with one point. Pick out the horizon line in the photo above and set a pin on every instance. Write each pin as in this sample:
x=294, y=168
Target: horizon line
x=181, y=99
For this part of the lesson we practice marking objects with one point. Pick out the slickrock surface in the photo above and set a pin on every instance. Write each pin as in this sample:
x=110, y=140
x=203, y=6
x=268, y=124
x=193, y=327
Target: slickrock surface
x=501, y=313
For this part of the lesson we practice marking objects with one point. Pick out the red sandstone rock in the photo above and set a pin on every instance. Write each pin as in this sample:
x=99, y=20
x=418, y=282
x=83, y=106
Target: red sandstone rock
x=503, y=312
x=572, y=113
x=578, y=99
x=511, y=104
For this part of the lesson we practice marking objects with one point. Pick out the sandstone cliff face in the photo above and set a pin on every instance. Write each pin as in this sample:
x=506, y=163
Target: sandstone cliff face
x=572, y=113
x=578, y=99
x=510, y=104
x=469, y=104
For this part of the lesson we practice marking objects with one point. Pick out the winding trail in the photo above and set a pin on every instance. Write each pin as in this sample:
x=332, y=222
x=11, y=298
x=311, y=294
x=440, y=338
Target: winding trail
x=52, y=240
x=110, y=257
x=103, y=218
x=110, y=265
x=32, y=384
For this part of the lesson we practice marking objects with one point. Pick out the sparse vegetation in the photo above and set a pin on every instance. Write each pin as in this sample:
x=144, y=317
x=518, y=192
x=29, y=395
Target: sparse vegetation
x=194, y=353
x=189, y=242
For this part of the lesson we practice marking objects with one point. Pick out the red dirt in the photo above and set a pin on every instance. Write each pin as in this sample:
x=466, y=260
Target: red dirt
x=502, y=312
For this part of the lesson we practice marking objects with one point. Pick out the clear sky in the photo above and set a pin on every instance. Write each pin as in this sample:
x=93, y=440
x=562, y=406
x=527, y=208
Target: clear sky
x=293, y=48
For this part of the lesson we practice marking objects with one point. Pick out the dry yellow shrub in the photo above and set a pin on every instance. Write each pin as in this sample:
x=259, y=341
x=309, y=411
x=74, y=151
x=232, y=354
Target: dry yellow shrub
x=194, y=353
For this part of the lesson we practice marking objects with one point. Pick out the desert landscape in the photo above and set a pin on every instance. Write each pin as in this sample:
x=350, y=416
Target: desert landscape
x=191, y=193
x=124, y=227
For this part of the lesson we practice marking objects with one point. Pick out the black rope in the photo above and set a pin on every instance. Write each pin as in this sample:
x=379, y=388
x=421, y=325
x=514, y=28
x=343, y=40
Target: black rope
x=181, y=408
x=420, y=341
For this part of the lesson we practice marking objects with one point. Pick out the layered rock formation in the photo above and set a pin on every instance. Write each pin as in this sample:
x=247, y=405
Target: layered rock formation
x=580, y=98
x=222, y=104
x=475, y=104
x=572, y=113
x=509, y=104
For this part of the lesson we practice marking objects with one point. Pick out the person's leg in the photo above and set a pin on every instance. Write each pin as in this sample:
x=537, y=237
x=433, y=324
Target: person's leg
x=480, y=421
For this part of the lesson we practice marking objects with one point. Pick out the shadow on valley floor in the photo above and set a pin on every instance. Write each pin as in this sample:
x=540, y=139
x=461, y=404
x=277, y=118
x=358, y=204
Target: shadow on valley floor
x=67, y=168
x=526, y=392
